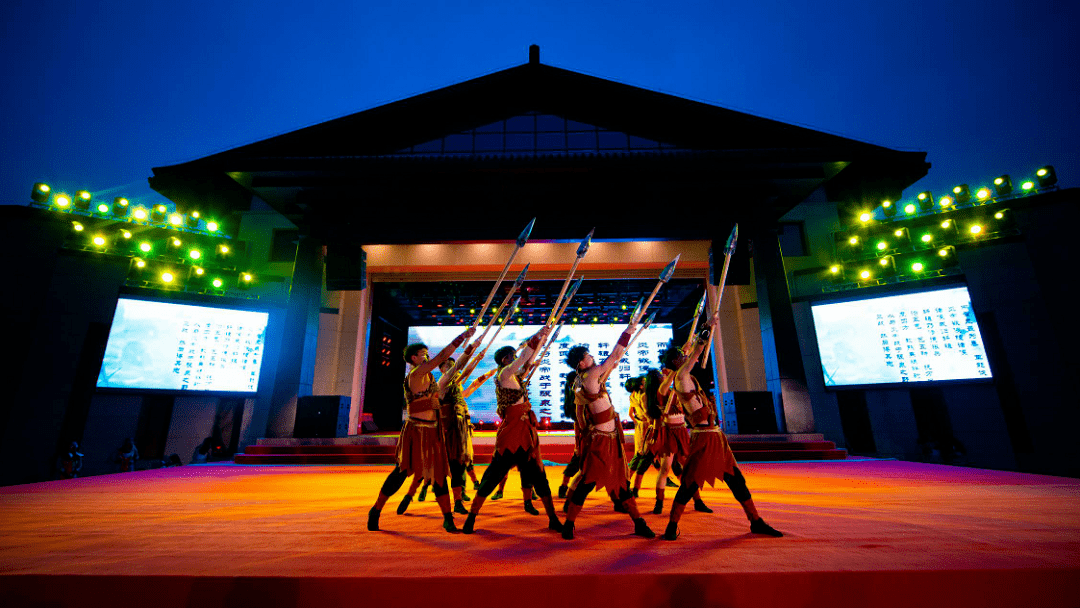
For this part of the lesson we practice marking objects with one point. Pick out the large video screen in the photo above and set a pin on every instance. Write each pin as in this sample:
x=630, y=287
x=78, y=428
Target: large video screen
x=919, y=337
x=548, y=383
x=183, y=347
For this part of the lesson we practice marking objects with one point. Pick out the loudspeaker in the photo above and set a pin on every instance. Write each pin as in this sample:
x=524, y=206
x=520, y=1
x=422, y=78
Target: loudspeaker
x=322, y=416
x=346, y=267
x=749, y=412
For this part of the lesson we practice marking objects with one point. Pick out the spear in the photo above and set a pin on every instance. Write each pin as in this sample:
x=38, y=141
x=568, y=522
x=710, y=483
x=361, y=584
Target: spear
x=637, y=334
x=665, y=276
x=697, y=314
x=480, y=357
x=522, y=238
x=729, y=249
x=582, y=249
x=554, y=338
x=502, y=306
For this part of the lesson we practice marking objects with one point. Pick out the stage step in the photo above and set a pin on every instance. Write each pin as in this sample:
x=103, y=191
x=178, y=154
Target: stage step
x=300, y=453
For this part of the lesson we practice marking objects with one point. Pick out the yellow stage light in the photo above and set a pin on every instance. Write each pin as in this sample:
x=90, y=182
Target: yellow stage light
x=865, y=217
x=909, y=208
x=167, y=277
x=865, y=274
x=77, y=226
x=195, y=254
x=834, y=269
x=218, y=283
x=176, y=220
x=853, y=240
x=103, y=208
x=62, y=201
x=99, y=241
x=946, y=202
x=917, y=266
x=40, y=193
x=982, y=194
x=145, y=247
x=976, y=229
x=946, y=223
x=926, y=238
x=882, y=245
x=212, y=226
x=139, y=213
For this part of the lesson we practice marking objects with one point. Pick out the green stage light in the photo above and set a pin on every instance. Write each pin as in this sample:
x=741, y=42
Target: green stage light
x=176, y=220
x=1027, y=186
x=140, y=263
x=103, y=208
x=999, y=215
x=884, y=261
x=1003, y=185
x=864, y=217
x=217, y=283
x=145, y=247
x=851, y=241
x=139, y=214
x=40, y=193
x=946, y=224
x=126, y=234
x=943, y=252
x=835, y=269
x=962, y=193
x=212, y=226
x=1047, y=176
x=77, y=226
x=926, y=200
x=975, y=229
x=167, y=277
x=946, y=202
x=899, y=233
x=882, y=245
x=909, y=209
x=889, y=208
x=62, y=201
x=195, y=254
x=192, y=220
x=864, y=274
x=99, y=240
x=82, y=200
x=157, y=214
x=926, y=238
x=120, y=206
x=245, y=280
x=917, y=267
x=982, y=194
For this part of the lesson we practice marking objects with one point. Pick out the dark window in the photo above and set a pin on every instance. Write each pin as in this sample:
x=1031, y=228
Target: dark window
x=283, y=247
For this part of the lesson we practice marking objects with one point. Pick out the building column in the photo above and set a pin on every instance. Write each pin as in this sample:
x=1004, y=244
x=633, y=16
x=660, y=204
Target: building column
x=785, y=376
x=296, y=363
x=360, y=361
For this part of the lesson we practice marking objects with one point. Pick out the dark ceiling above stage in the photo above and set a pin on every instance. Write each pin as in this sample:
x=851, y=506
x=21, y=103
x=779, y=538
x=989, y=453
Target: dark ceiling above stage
x=406, y=304
x=347, y=179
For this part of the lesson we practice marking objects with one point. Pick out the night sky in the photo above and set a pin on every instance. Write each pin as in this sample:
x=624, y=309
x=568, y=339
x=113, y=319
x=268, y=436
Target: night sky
x=97, y=93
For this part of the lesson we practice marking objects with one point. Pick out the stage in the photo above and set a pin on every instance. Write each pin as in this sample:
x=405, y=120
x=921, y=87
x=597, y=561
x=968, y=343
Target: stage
x=857, y=533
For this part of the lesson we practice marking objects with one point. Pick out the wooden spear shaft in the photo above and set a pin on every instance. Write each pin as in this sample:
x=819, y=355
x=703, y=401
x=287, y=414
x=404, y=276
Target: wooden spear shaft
x=522, y=238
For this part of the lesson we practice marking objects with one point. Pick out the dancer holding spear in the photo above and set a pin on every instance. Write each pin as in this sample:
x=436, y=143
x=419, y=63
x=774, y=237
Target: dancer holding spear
x=710, y=456
x=602, y=452
x=517, y=442
x=421, y=445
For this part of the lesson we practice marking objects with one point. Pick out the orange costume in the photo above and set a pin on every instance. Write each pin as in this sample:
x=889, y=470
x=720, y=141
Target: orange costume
x=603, y=458
x=710, y=456
x=421, y=448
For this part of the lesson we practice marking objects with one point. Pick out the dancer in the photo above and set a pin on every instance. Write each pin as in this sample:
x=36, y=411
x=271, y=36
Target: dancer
x=420, y=445
x=602, y=453
x=710, y=456
x=451, y=401
x=570, y=411
x=516, y=442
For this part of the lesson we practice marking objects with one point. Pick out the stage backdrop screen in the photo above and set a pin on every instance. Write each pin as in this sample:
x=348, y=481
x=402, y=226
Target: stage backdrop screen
x=919, y=337
x=549, y=381
x=183, y=347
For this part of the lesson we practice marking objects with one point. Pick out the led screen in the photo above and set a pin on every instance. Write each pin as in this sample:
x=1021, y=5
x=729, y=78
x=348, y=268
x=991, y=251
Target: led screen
x=167, y=346
x=920, y=337
x=548, y=382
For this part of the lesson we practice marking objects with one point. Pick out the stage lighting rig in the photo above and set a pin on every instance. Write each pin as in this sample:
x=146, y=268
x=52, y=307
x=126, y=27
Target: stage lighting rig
x=82, y=200
x=962, y=194
x=1003, y=185
x=40, y=193
x=926, y=200
x=120, y=206
x=888, y=208
x=1046, y=176
x=157, y=214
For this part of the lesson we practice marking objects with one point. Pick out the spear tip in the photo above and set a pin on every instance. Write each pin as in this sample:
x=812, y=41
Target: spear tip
x=524, y=236
x=583, y=248
x=729, y=248
x=521, y=277
x=669, y=270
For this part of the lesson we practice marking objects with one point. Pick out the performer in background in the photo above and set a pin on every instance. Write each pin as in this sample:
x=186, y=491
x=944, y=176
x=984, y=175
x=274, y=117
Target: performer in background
x=516, y=441
x=574, y=466
x=710, y=456
x=603, y=457
x=420, y=444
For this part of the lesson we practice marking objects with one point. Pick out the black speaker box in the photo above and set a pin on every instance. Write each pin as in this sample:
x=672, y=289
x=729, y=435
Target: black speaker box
x=749, y=413
x=322, y=416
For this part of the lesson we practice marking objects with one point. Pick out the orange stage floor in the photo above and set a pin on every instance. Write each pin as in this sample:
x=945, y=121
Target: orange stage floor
x=858, y=533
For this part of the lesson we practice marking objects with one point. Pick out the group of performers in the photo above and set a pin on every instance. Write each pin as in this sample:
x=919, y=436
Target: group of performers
x=676, y=428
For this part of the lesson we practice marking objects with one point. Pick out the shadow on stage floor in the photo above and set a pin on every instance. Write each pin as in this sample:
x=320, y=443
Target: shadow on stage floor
x=857, y=533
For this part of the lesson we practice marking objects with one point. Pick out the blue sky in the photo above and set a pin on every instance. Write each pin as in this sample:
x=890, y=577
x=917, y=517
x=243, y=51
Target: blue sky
x=97, y=93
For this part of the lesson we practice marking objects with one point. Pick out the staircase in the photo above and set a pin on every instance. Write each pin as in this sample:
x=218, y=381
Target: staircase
x=556, y=447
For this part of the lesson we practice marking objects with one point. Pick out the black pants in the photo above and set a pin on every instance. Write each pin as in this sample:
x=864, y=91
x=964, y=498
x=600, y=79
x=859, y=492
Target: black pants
x=736, y=483
x=501, y=463
x=397, y=477
x=583, y=490
x=573, y=466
